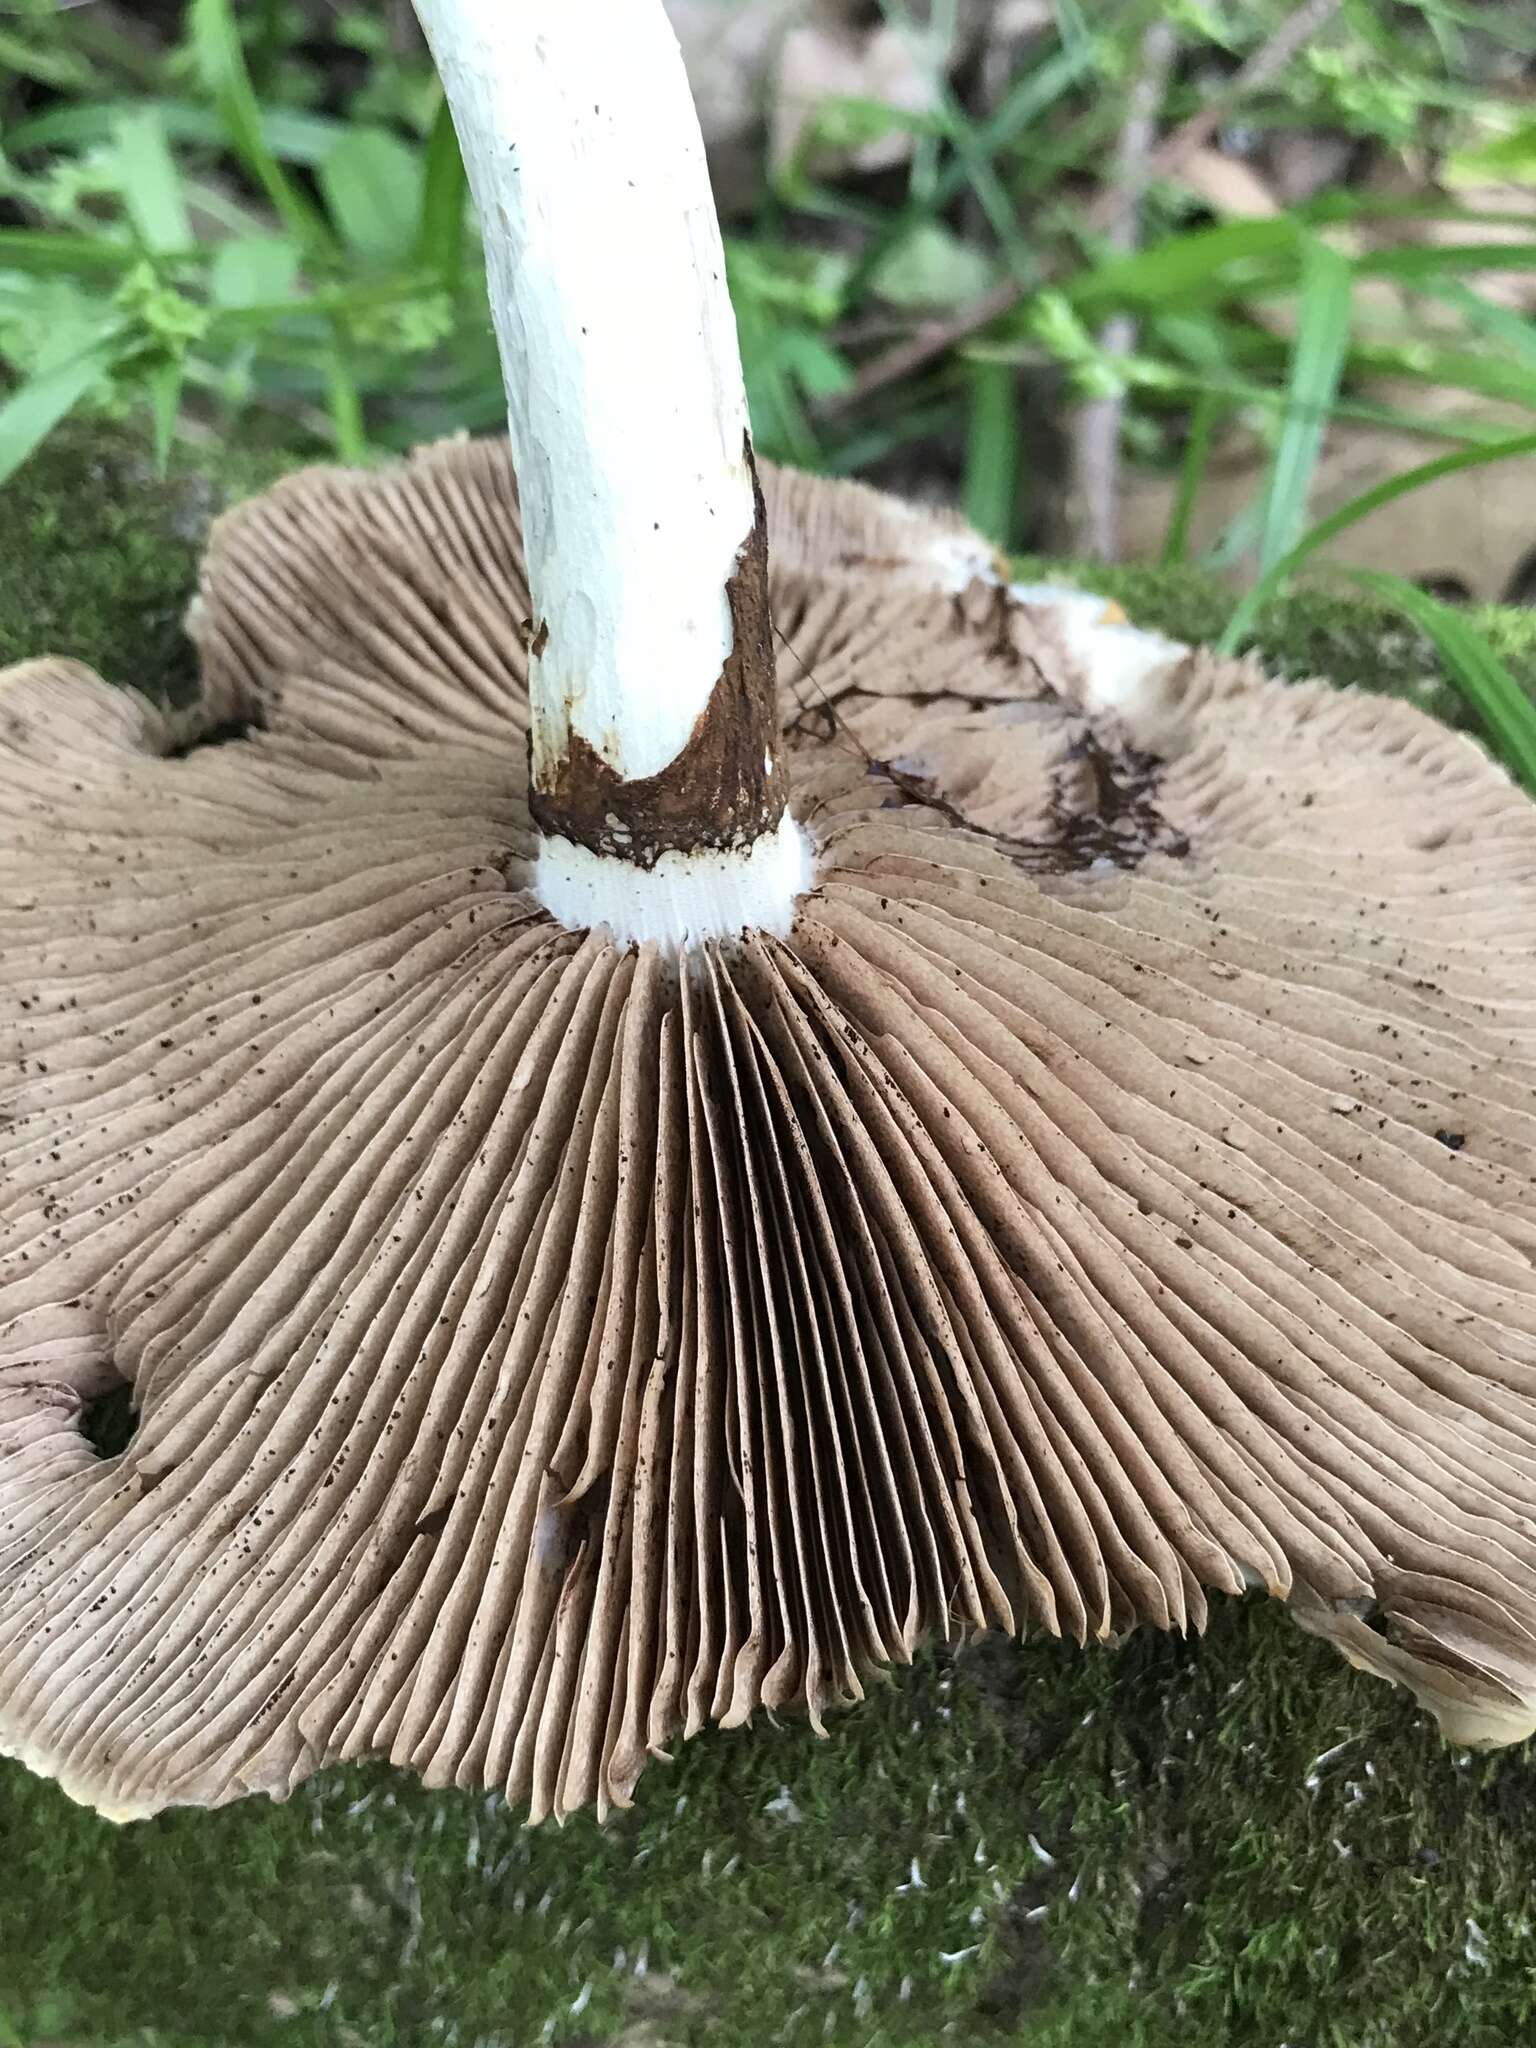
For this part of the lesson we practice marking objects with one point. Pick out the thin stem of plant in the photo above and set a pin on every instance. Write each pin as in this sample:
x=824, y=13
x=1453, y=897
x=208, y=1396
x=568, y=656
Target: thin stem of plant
x=937, y=337
x=1096, y=430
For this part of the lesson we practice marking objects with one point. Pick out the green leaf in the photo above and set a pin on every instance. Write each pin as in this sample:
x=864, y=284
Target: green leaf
x=821, y=370
x=372, y=182
x=1508, y=159
x=846, y=121
x=1445, y=259
x=1322, y=336
x=1488, y=374
x=1507, y=714
x=992, y=451
x=779, y=423
x=1258, y=258
x=1509, y=330
x=1020, y=112
x=808, y=283
x=931, y=266
x=42, y=252
x=1070, y=24
x=1330, y=209
x=290, y=134
x=862, y=451
x=1206, y=265
x=1240, y=624
x=1197, y=455
x=151, y=183
x=997, y=203
x=165, y=388
x=444, y=203
x=318, y=308
x=35, y=408
x=345, y=401
x=220, y=64
x=253, y=270
x=65, y=70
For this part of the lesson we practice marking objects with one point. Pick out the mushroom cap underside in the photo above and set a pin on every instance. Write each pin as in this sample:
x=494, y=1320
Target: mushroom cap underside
x=1118, y=1185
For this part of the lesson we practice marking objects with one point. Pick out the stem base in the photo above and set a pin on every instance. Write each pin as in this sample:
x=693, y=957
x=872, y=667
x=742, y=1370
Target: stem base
x=684, y=898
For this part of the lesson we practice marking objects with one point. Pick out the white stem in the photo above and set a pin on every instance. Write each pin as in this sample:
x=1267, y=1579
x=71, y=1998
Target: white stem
x=684, y=897
x=624, y=392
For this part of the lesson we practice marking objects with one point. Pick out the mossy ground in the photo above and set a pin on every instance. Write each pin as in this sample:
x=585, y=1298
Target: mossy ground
x=1170, y=1845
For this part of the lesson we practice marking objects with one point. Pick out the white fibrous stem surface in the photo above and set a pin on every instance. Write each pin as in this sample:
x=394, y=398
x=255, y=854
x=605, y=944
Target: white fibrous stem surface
x=625, y=402
x=684, y=898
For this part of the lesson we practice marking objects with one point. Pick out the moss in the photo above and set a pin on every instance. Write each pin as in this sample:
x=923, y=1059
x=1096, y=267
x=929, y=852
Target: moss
x=1179, y=1844
x=1173, y=1845
x=99, y=555
x=1315, y=631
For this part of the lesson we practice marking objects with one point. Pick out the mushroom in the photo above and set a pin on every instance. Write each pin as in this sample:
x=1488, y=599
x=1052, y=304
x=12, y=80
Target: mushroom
x=955, y=1115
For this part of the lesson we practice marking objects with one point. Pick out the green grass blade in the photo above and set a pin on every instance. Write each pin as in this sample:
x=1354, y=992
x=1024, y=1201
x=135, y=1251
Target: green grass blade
x=152, y=190
x=36, y=407
x=863, y=450
x=1022, y=108
x=1241, y=622
x=63, y=69
x=1258, y=258
x=1489, y=375
x=1507, y=714
x=1025, y=103
x=42, y=252
x=1333, y=209
x=293, y=136
x=444, y=199
x=1509, y=330
x=1201, y=267
x=992, y=197
x=1070, y=24
x=165, y=390
x=1322, y=336
x=331, y=302
x=1445, y=259
x=220, y=64
x=1197, y=454
x=992, y=451
x=1188, y=378
x=1492, y=372
x=345, y=401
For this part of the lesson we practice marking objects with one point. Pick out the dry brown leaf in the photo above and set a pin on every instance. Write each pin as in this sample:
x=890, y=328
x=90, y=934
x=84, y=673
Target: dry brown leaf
x=1476, y=526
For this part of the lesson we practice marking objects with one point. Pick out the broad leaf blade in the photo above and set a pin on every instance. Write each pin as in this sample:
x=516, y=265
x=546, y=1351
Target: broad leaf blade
x=372, y=182
x=253, y=270
x=151, y=182
x=36, y=406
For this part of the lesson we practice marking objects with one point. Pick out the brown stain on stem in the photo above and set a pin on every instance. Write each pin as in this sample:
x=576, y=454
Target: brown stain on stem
x=726, y=787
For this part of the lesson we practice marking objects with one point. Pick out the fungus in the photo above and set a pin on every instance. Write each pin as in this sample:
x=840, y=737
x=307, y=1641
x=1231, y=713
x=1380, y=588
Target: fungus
x=950, y=1135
